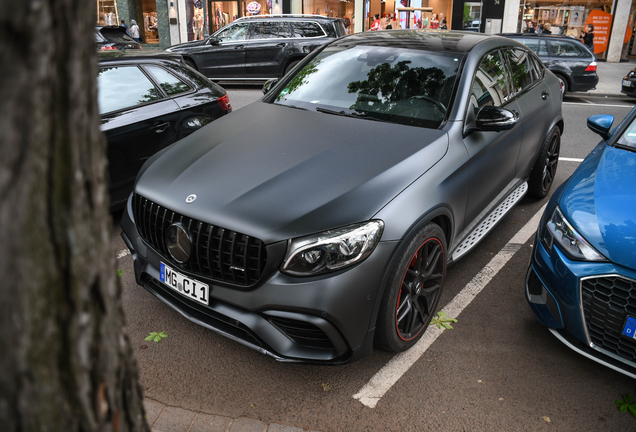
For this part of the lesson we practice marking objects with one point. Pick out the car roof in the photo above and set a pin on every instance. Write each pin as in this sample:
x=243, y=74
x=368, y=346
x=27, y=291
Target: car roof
x=134, y=56
x=293, y=17
x=533, y=35
x=429, y=40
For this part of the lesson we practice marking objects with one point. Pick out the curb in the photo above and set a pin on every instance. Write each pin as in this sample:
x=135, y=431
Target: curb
x=166, y=418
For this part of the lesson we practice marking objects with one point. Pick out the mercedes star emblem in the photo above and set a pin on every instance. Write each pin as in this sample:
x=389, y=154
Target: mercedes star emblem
x=178, y=242
x=190, y=199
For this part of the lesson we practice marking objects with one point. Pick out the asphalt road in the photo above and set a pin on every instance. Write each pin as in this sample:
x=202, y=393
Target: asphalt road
x=499, y=369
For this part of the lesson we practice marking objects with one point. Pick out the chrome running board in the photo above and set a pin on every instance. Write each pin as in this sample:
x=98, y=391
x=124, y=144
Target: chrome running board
x=490, y=221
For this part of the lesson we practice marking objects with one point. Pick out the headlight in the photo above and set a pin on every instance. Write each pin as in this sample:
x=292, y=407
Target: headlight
x=331, y=250
x=558, y=230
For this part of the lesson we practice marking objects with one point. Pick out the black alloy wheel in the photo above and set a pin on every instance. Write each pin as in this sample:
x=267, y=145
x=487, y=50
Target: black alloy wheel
x=411, y=298
x=545, y=169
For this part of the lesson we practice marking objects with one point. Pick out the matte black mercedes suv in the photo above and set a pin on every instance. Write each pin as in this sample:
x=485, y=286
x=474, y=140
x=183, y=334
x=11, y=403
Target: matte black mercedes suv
x=321, y=220
x=259, y=47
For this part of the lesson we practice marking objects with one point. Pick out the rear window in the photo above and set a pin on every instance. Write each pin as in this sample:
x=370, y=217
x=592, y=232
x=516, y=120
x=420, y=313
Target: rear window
x=270, y=30
x=168, y=82
x=565, y=49
x=123, y=87
x=307, y=29
x=115, y=35
x=537, y=45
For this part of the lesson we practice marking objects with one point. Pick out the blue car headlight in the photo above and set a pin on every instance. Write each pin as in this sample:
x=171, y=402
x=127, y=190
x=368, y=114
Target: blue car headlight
x=558, y=230
x=331, y=250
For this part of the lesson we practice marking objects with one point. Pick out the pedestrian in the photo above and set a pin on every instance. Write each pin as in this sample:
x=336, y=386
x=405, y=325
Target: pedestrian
x=134, y=30
x=547, y=28
x=588, y=37
x=124, y=25
x=376, y=23
x=530, y=27
x=443, y=25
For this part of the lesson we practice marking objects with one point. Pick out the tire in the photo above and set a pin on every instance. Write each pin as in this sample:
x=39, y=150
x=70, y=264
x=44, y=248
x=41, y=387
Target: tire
x=191, y=64
x=545, y=168
x=291, y=66
x=564, y=82
x=413, y=290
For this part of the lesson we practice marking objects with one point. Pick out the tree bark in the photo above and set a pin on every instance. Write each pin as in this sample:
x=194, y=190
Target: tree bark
x=66, y=363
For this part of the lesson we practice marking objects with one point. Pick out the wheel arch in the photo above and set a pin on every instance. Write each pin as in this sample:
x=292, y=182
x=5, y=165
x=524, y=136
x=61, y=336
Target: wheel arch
x=441, y=216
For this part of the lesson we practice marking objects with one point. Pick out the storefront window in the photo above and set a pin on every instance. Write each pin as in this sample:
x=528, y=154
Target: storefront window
x=424, y=14
x=149, y=25
x=107, y=12
x=336, y=9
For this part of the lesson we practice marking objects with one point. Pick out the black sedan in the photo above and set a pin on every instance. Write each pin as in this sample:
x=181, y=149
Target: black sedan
x=628, y=85
x=148, y=102
x=321, y=220
x=114, y=38
x=571, y=61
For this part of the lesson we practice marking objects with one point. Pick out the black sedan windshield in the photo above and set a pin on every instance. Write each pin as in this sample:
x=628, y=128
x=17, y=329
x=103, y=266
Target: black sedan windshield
x=405, y=86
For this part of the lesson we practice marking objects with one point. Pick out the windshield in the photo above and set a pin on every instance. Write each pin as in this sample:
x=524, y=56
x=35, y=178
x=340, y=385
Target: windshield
x=628, y=139
x=396, y=85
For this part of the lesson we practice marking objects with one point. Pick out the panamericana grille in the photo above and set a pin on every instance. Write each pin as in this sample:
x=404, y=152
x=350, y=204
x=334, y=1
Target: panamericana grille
x=607, y=301
x=217, y=253
x=303, y=333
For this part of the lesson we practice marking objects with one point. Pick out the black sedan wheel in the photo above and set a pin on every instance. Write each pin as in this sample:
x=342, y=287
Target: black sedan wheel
x=411, y=298
x=545, y=168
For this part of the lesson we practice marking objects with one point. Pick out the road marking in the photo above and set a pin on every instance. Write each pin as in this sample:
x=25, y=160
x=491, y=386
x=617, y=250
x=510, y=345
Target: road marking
x=595, y=104
x=564, y=159
x=386, y=377
x=122, y=253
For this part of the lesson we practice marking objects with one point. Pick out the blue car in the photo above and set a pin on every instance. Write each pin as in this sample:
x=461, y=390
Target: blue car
x=581, y=282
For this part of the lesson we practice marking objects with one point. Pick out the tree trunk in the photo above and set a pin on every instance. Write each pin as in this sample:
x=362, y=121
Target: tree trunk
x=66, y=363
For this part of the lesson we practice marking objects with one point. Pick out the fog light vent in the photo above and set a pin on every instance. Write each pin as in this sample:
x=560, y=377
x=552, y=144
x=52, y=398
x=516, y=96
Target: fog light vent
x=535, y=287
x=303, y=333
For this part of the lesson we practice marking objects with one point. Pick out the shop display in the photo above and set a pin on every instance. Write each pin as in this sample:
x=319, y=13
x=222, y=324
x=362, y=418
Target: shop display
x=107, y=12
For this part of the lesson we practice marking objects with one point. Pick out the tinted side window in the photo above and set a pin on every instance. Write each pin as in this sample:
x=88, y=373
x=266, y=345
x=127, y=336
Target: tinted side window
x=489, y=85
x=522, y=71
x=565, y=49
x=539, y=68
x=168, y=82
x=123, y=87
x=235, y=32
x=329, y=28
x=536, y=45
x=270, y=30
x=307, y=29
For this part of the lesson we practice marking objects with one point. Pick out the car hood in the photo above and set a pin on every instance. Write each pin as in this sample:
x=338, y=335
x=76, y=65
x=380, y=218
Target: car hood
x=188, y=45
x=276, y=172
x=600, y=201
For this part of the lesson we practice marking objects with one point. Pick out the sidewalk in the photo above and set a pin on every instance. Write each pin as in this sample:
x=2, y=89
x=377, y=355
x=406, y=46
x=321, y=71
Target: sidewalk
x=610, y=77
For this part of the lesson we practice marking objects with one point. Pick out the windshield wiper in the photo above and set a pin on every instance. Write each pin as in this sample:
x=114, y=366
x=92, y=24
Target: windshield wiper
x=343, y=113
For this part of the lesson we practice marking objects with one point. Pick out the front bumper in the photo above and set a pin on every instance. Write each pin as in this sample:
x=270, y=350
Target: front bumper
x=585, y=304
x=324, y=319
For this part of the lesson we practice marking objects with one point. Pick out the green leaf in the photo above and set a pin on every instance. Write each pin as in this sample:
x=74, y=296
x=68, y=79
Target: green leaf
x=632, y=409
x=448, y=326
x=163, y=334
x=119, y=273
x=624, y=408
x=441, y=314
x=628, y=398
x=452, y=319
x=151, y=336
x=439, y=325
x=619, y=402
x=157, y=338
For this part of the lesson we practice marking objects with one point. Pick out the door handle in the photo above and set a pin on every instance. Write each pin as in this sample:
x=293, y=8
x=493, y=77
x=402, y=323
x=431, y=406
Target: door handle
x=544, y=95
x=280, y=45
x=160, y=127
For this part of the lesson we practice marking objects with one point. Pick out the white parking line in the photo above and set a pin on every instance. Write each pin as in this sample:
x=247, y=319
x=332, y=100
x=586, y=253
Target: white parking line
x=564, y=159
x=595, y=104
x=386, y=377
x=122, y=253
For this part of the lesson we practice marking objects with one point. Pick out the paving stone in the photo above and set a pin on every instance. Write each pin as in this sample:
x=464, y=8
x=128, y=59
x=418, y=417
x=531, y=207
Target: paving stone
x=210, y=423
x=174, y=419
x=153, y=409
x=244, y=424
x=282, y=428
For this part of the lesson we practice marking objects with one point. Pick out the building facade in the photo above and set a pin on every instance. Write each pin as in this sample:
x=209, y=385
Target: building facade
x=168, y=22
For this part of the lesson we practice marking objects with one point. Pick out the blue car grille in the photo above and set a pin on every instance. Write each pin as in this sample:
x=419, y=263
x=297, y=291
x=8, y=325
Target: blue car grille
x=607, y=301
x=217, y=253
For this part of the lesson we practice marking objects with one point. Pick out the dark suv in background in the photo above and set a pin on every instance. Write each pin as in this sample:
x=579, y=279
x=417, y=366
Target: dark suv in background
x=571, y=61
x=259, y=47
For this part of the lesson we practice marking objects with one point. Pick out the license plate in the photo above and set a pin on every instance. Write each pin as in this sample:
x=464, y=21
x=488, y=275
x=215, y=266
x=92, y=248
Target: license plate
x=629, y=329
x=188, y=287
x=627, y=83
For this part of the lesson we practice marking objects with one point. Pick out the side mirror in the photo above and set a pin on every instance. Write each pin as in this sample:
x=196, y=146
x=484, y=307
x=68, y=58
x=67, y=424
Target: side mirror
x=601, y=124
x=213, y=40
x=491, y=118
x=269, y=84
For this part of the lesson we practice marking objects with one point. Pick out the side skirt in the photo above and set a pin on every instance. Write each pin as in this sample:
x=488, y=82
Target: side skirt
x=489, y=222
